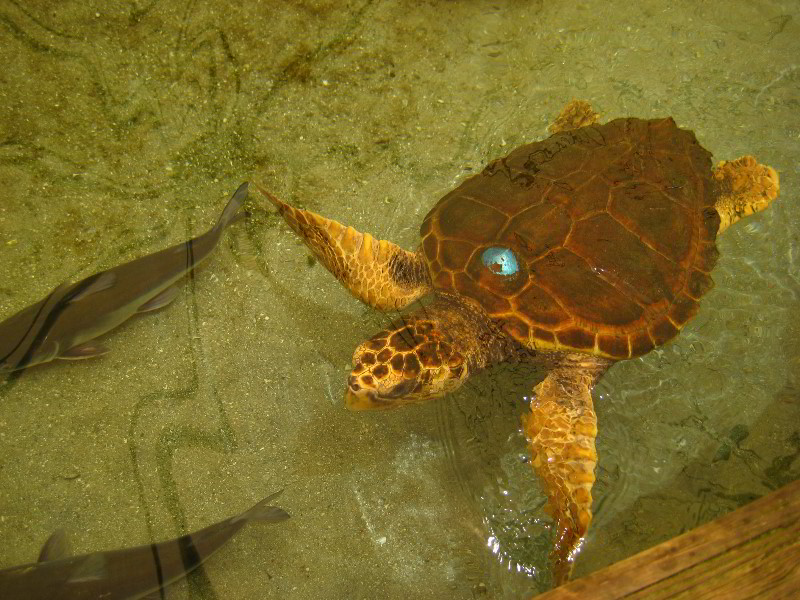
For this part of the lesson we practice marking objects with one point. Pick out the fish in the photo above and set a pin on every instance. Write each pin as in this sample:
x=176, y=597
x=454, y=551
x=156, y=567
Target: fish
x=65, y=323
x=129, y=573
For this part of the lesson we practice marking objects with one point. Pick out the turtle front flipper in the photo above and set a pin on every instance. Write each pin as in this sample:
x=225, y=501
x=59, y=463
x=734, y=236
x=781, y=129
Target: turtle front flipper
x=377, y=272
x=427, y=354
x=744, y=187
x=561, y=430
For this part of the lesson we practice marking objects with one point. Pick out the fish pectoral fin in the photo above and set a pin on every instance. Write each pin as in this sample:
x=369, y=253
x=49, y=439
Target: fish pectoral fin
x=161, y=300
x=102, y=281
x=56, y=547
x=85, y=350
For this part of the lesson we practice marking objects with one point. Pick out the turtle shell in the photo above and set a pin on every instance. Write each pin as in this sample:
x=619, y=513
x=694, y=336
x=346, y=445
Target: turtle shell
x=598, y=240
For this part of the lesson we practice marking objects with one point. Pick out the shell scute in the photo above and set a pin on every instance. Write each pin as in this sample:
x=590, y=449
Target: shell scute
x=699, y=284
x=682, y=309
x=516, y=327
x=537, y=229
x=589, y=198
x=616, y=346
x=663, y=331
x=658, y=220
x=641, y=343
x=490, y=300
x=454, y=254
x=544, y=337
x=512, y=194
x=573, y=283
x=576, y=337
x=537, y=301
x=460, y=214
x=619, y=257
x=430, y=246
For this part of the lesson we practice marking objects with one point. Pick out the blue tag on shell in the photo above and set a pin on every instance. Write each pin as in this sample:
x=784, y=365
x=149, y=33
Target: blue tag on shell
x=500, y=261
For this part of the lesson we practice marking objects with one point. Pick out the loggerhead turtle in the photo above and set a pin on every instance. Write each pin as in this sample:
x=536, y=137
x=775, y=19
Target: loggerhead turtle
x=592, y=246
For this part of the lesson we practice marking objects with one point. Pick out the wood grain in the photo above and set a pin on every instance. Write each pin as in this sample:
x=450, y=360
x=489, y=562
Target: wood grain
x=753, y=552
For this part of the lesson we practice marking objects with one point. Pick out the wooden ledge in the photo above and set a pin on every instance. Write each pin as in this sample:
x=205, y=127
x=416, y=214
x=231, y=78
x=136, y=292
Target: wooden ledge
x=753, y=552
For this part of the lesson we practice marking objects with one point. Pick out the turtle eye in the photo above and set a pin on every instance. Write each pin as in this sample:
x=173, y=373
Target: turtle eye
x=500, y=261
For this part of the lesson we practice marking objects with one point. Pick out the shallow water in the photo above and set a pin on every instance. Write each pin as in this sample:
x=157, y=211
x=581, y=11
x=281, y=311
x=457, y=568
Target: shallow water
x=124, y=126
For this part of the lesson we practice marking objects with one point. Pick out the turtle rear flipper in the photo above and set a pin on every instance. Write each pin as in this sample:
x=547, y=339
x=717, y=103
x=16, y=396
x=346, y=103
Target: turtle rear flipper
x=744, y=187
x=561, y=430
x=377, y=272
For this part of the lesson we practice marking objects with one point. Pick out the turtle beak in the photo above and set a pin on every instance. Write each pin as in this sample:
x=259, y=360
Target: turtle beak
x=361, y=399
x=358, y=397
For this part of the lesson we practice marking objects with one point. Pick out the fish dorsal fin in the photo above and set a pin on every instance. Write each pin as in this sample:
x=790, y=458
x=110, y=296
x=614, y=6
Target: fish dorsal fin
x=56, y=547
x=102, y=281
x=92, y=568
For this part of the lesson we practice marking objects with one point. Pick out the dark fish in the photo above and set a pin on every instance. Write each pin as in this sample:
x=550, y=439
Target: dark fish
x=124, y=574
x=63, y=324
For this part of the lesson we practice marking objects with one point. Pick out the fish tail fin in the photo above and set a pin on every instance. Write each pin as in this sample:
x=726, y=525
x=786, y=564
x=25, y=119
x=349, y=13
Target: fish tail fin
x=264, y=512
x=231, y=213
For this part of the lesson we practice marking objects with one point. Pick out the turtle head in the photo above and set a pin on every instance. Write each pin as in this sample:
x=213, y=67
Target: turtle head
x=409, y=362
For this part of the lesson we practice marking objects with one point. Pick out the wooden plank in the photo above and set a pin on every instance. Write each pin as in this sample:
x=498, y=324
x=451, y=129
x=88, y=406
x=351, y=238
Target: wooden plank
x=753, y=552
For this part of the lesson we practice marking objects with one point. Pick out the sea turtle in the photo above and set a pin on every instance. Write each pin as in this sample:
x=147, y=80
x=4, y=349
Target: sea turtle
x=591, y=246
